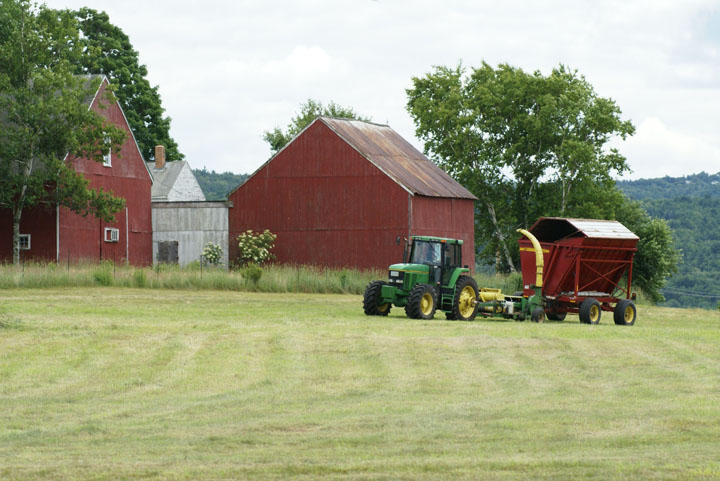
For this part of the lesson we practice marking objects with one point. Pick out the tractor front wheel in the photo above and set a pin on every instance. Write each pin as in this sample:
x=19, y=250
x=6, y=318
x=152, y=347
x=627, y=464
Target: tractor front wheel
x=590, y=311
x=464, y=306
x=371, y=300
x=421, y=303
x=625, y=313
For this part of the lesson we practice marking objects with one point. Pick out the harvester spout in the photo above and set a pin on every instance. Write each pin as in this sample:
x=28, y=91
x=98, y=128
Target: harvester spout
x=539, y=263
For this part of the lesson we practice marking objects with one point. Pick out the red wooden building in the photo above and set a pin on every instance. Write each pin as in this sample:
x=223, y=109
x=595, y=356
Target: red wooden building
x=57, y=234
x=343, y=192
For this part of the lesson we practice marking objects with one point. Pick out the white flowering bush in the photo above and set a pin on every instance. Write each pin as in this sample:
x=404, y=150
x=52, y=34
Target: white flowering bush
x=212, y=253
x=255, y=247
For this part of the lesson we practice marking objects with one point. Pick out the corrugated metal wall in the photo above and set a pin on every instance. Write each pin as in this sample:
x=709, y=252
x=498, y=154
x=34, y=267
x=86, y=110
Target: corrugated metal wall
x=82, y=237
x=329, y=206
x=127, y=178
x=192, y=225
x=452, y=218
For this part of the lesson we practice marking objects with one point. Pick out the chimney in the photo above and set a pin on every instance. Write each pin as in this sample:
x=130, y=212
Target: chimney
x=159, y=157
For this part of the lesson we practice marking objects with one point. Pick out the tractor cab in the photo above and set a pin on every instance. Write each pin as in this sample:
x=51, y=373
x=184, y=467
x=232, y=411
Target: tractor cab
x=441, y=256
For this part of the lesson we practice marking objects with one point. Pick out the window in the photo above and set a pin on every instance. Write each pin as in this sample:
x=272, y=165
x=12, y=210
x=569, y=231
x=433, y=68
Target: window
x=425, y=252
x=112, y=234
x=24, y=242
x=107, y=158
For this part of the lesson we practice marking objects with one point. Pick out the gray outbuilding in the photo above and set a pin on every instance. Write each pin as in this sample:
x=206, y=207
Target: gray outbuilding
x=182, y=229
x=183, y=222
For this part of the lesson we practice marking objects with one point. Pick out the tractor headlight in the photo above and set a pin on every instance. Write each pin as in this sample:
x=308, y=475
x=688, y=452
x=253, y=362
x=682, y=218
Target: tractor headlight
x=396, y=278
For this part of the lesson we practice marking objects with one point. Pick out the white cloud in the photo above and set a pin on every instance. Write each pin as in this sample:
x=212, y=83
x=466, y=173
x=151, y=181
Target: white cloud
x=303, y=61
x=228, y=70
x=656, y=150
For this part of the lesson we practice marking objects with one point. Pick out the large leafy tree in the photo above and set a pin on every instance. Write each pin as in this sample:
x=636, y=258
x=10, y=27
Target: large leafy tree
x=45, y=119
x=309, y=111
x=527, y=145
x=107, y=50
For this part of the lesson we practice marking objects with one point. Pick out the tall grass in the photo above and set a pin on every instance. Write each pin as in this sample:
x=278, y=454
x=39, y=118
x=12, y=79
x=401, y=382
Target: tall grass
x=274, y=278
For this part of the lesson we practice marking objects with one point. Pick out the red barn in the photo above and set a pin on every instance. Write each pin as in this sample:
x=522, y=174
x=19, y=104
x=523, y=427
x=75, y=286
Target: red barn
x=342, y=193
x=57, y=234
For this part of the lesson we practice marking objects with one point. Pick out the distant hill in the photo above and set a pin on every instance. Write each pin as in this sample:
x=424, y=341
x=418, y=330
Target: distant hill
x=696, y=185
x=691, y=205
x=216, y=186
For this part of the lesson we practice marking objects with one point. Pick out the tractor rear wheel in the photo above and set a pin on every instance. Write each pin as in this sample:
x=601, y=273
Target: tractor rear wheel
x=625, y=313
x=372, y=298
x=422, y=302
x=590, y=311
x=464, y=306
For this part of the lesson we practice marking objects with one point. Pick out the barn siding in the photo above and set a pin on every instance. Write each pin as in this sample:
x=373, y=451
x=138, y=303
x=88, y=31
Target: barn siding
x=40, y=223
x=82, y=237
x=192, y=225
x=453, y=218
x=327, y=204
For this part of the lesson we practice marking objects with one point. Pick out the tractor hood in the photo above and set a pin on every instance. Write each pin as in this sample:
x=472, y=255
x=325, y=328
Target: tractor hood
x=415, y=268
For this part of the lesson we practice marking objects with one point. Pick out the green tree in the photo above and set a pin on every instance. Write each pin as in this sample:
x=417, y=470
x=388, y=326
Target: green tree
x=309, y=111
x=529, y=145
x=521, y=142
x=107, y=50
x=45, y=117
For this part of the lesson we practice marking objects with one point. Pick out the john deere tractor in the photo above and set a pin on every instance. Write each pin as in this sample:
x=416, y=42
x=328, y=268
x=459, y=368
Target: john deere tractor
x=431, y=277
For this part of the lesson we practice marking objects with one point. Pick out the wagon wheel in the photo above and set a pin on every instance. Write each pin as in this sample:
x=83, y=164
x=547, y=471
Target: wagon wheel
x=372, y=298
x=590, y=311
x=422, y=302
x=625, y=313
x=554, y=315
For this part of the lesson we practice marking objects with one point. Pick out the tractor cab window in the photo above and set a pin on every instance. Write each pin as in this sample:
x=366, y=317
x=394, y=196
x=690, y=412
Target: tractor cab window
x=425, y=252
x=453, y=255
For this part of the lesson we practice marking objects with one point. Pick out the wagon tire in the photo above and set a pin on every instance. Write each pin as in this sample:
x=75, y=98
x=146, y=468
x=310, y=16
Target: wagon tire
x=538, y=315
x=464, y=305
x=590, y=311
x=422, y=302
x=372, y=298
x=554, y=315
x=625, y=313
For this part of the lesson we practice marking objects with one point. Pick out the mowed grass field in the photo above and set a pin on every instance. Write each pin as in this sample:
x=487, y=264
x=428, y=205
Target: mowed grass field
x=121, y=383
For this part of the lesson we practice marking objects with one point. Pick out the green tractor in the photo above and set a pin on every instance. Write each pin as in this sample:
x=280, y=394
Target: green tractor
x=431, y=277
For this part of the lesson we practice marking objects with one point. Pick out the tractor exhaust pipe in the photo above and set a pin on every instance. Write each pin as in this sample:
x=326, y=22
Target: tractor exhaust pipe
x=539, y=262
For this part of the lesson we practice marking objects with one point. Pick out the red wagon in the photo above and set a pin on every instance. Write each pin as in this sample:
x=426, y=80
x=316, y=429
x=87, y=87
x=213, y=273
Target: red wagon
x=585, y=262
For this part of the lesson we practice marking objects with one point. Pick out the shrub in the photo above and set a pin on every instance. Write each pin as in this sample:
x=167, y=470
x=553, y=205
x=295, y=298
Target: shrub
x=252, y=273
x=103, y=276
x=255, y=248
x=212, y=253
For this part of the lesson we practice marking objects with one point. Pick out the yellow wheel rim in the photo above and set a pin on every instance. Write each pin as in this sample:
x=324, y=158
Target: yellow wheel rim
x=629, y=312
x=466, y=303
x=426, y=304
x=383, y=307
x=595, y=313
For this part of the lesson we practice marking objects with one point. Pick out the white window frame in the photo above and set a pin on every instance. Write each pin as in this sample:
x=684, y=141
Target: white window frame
x=112, y=234
x=107, y=158
x=22, y=238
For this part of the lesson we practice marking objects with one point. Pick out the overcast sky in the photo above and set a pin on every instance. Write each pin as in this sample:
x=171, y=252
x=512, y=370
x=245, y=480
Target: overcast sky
x=228, y=70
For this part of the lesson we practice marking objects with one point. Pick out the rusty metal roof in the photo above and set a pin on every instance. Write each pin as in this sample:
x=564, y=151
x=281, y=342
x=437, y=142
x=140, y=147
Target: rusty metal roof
x=397, y=158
